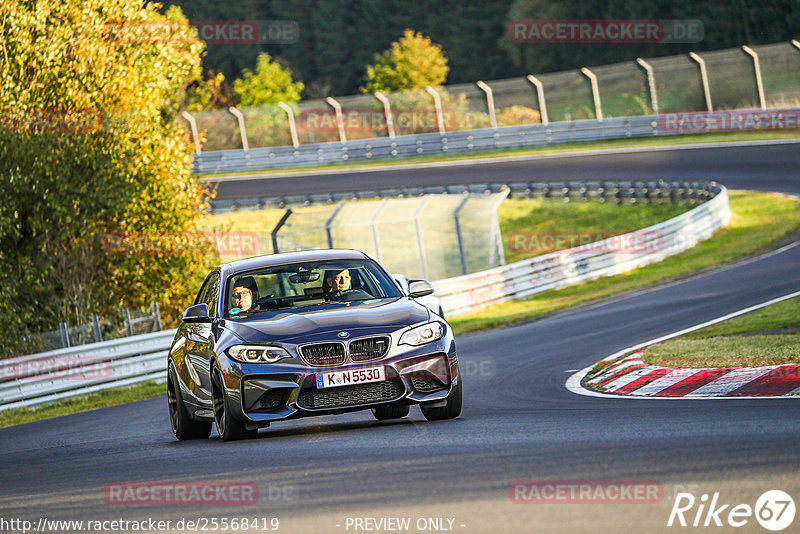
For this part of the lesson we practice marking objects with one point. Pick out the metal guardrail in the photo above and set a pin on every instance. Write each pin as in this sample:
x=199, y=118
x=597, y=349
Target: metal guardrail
x=559, y=269
x=58, y=374
x=466, y=141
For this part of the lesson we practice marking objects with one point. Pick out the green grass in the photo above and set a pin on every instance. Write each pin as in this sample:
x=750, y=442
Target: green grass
x=550, y=149
x=735, y=351
x=529, y=226
x=785, y=314
x=101, y=399
x=769, y=336
x=758, y=220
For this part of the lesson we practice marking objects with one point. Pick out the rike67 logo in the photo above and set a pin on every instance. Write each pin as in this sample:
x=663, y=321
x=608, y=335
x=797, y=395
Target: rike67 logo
x=774, y=510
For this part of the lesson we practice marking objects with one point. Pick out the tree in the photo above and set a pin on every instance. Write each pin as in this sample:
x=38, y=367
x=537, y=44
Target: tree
x=214, y=92
x=410, y=63
x=269, y=84
x=99, y=208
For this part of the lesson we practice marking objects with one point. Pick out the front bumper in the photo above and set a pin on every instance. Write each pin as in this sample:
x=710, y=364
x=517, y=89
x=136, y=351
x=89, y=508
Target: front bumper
x=263, y=393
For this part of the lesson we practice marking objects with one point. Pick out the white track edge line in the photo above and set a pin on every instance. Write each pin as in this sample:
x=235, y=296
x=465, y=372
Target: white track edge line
x=573, y=383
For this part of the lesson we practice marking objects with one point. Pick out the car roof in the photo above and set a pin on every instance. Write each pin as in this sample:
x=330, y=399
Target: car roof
x=271, y=260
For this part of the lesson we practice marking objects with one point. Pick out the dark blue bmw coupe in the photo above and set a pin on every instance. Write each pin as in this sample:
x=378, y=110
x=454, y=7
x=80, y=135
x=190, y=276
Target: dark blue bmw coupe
x=307, y=333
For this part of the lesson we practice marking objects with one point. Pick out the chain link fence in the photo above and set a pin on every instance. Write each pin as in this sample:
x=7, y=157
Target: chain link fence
x=673, y=84
x=126, y=323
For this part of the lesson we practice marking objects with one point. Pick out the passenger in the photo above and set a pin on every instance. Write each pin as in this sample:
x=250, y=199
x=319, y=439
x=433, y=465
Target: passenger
x=245, y=293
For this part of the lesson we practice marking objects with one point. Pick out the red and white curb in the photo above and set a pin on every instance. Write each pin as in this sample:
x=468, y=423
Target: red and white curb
x=631, y=378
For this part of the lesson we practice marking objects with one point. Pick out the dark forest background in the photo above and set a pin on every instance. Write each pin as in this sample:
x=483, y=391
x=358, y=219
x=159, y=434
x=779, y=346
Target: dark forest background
x=338, y=38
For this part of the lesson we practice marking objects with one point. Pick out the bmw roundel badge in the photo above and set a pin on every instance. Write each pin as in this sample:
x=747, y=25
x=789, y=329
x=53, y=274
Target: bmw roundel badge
x=344, y=335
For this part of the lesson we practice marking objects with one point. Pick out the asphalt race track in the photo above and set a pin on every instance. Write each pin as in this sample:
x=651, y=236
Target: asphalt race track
x=519, y=421
x=764, y=167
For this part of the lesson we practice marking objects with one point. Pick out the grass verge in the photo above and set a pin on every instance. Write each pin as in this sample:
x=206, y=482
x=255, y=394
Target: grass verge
x=530, y=151
x=101, y=399
x=769, y=336
x=758, y=221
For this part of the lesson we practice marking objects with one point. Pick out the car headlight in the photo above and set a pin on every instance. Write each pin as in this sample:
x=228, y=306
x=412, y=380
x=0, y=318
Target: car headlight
x=257, y=353
x=422, y=334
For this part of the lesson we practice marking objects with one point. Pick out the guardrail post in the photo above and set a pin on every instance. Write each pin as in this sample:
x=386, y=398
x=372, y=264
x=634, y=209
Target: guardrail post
x=651, y=83
x=195, y=135
x=156, y=317
x=98, y=334
x=757, y=69
x=128, y=326
x=387, y=110
x=489, y=102
x=278, y=227
x=540, y=94
x=62, y=328
x=459, y=236
x=339, y=117
x=704, y=77
x=292, y=127
x=242, y=133
x=437, y=102
x=598, y=110
x=330, y=221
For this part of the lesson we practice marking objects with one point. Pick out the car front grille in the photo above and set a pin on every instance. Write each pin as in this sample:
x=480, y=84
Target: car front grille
x=370, y=348
x=425, y=386
x=353, y=395
x=323, y=353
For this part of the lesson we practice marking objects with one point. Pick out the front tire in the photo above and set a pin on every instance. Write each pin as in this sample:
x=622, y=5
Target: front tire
x=383, y=413
x=450, y=410
x=183, y=426
x=228, y=428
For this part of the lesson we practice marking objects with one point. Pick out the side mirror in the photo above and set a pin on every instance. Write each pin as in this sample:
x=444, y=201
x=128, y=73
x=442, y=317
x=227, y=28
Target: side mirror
x=419, y=288
x=197, y=314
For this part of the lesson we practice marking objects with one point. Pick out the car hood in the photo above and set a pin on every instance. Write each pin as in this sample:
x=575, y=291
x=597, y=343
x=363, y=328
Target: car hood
x=357, y=318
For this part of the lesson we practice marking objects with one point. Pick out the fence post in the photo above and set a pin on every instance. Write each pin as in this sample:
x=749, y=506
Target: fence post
x=62, y=327
x=651, y=82
x=540, y=93
x=98, y=334
x=387, y=110
x=373, y=222
x=292, y=127
x=437, y=102
x=240, y=119
x=193, y=124
x=757, y=69
x=423, y=259
x=278, y=227
x=157, y=318
x=459, y=237
x=489, y=102
x=598, y=110
x=704, y=78
x=330, y=221
x=128, y=325
x=339, y=117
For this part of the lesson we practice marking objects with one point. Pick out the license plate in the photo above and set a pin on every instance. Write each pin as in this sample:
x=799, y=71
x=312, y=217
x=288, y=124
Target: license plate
x=354, y=376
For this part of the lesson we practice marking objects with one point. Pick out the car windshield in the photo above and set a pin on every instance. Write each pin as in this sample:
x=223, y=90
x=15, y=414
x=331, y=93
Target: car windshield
x=298, y=286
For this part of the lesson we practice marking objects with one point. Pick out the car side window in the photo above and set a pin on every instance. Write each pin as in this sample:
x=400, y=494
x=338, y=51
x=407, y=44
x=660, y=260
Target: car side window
x=211, y=294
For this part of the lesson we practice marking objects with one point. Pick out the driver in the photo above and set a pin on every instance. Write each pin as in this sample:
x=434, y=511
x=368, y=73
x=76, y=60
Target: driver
x=336, y=283
x=244, y=293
